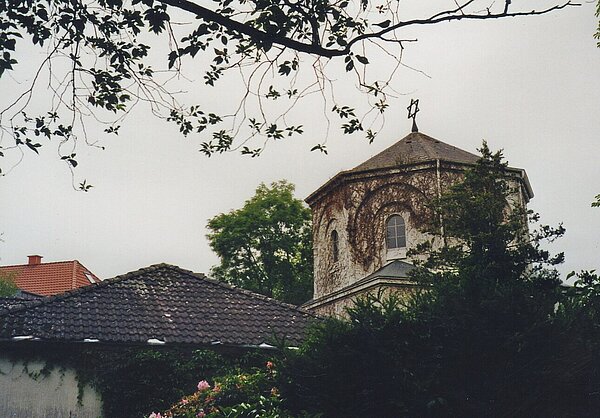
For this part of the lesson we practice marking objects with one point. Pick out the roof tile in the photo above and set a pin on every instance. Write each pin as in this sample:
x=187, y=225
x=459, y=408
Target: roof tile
x=163, y=302
x=416, y=147
x=47, y=279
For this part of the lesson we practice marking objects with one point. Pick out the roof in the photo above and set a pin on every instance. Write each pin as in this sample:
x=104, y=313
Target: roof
x=47, y=279
x=393, y=274
x=7, y=302
x=395, y=269
x=416, y=147
x=158, y=304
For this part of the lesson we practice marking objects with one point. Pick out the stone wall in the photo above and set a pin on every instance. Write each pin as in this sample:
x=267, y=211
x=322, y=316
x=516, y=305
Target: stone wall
x=357, y=206
x=358, y=211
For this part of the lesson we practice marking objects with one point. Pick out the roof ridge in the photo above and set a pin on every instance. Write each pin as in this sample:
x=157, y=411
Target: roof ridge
x=84, y=289
x=40, y=264
x=136, y=273
x=159, y=304
x=234, y=288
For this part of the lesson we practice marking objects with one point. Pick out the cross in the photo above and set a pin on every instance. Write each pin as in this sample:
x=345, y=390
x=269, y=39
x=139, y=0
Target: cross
x=412, y=113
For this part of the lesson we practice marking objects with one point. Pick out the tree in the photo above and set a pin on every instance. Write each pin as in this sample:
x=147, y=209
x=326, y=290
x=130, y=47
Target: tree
x=266, y=246
x=100, y=63
x=8, y=287
x=491, y=333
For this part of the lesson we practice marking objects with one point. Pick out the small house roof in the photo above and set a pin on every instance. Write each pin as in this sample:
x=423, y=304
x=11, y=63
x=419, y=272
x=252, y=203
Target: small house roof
x=47, y=279
x=160, y=304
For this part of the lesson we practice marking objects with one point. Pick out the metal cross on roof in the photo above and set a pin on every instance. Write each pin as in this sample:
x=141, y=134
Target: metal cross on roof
x=412, y=113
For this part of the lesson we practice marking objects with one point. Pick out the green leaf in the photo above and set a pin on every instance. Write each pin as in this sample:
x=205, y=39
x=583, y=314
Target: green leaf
x=362, y=60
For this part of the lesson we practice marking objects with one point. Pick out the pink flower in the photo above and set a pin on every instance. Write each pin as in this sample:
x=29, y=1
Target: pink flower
x=201, y=414
x=270, y=365
x=184, y=401
x=155, y=415
x=203, y=385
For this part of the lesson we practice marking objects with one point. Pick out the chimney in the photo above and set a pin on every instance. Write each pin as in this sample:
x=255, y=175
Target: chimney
x=34, y=259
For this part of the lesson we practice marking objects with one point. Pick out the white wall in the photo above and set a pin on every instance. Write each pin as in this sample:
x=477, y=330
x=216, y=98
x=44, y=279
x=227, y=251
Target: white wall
x=55, y=395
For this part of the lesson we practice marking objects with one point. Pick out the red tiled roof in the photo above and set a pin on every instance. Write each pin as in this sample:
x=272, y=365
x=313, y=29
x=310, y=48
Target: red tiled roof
x=49, y=279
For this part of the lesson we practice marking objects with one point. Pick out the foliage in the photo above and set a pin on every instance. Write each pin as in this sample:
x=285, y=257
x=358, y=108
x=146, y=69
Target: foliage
x=491, y=333
x=100, y=58
x=597, y=34
x=236, y=394
x=356, y=368
x=266, y=246
x=596, y=203
x=8, y=287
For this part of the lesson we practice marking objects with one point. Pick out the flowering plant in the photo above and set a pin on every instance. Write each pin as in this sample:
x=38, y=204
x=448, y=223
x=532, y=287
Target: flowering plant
x=237, y=394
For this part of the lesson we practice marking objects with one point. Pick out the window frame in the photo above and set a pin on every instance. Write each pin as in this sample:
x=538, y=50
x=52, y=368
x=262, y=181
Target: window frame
x=398, y=239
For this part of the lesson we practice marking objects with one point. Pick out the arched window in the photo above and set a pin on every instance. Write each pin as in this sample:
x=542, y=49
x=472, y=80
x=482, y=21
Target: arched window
x=396, y=232
x=335, y=245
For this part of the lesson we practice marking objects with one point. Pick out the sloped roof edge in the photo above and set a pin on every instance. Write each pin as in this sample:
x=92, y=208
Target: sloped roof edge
x=135, y=273
x=157, y=305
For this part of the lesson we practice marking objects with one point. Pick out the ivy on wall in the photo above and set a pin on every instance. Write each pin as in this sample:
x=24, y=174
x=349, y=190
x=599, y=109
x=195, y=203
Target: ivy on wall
x=131, y=380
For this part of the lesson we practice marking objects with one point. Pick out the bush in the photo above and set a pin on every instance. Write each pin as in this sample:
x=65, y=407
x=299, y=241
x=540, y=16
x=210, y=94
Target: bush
x=236, y=394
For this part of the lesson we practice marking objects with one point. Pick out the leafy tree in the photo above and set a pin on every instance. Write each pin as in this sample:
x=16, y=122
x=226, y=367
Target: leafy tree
x=100, y=57
x=8, y=287
x=266, y=245
x=491, y=333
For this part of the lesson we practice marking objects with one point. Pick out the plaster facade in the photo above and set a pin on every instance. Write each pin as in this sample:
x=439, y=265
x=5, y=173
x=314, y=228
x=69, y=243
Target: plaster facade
x=27, y=393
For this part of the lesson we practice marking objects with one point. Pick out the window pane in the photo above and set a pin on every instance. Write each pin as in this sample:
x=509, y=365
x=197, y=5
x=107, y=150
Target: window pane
x=396, y=233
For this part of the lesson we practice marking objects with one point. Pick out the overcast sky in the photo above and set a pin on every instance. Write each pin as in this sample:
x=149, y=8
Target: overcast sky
x=530, y=86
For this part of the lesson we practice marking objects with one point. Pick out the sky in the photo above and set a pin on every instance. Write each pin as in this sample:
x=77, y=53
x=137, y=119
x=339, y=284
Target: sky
x=529, y=86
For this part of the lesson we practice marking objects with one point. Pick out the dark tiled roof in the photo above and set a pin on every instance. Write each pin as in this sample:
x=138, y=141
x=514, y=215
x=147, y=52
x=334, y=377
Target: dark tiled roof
x=8, y=302
x=160, y=302
x=415, y=148
x=49, y=279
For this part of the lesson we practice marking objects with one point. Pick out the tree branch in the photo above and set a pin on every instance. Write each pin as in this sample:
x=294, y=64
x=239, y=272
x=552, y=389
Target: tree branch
x=317, y=49
x=433, y=20
x=248, y=30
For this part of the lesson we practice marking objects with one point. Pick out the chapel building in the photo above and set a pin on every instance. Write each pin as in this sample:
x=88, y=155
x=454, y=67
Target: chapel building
x=367, y=218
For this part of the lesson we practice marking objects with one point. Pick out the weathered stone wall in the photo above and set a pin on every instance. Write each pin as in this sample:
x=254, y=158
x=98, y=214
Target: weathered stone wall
x=358, y=208
x=54, y=395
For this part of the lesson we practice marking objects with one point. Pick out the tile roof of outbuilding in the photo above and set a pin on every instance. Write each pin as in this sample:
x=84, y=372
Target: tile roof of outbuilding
x=47, y=279
x=8, y=302
x=160, y=303
x=416, y=147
